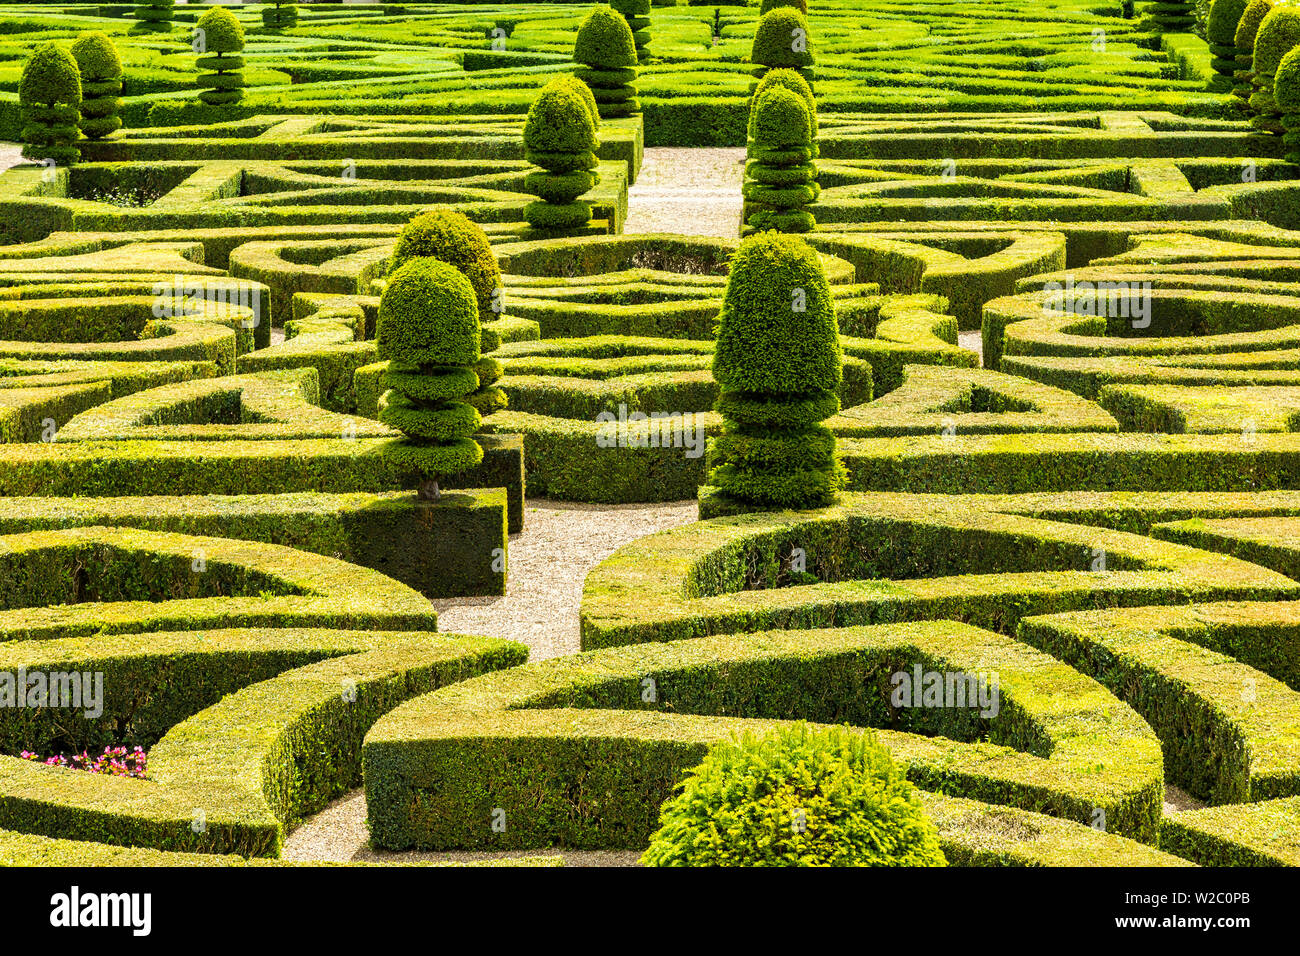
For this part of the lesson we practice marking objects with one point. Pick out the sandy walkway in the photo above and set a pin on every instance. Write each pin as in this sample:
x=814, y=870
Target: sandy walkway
x=690, y=191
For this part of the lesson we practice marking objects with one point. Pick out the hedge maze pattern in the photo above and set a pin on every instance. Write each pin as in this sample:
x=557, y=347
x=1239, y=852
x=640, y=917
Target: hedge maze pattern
x=1065, y=267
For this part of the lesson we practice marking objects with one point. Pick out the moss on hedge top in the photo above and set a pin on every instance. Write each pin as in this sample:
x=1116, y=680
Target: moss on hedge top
x=782, y=40
x=50, y=76
x=605, y=40
x=452, y=237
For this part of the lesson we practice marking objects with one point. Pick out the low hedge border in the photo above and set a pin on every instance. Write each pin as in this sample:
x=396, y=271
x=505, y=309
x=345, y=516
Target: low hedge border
x=1202, y=410
x=1252, y=834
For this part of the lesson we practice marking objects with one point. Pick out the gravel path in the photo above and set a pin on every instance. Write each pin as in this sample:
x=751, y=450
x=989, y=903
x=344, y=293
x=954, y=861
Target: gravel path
x=693, y=191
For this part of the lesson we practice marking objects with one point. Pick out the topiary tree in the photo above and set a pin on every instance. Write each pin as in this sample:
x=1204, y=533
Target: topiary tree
x=778, y=367
x=282, y=16
x=1279, y=33
x=607, y=54
x=637, y=15
x=560, y=137
x=1286, y=91
x=49, y=92
x=217, y=36
x=1220, y=33
x=428, y=332
x=153, y=16
x=583, y=90
x=797, y=796
x=1171, y=16
x=1244, y=39
x=101, y=84
x=450, y=236
x=793, y=82
x=781, y=40
x=781, y=180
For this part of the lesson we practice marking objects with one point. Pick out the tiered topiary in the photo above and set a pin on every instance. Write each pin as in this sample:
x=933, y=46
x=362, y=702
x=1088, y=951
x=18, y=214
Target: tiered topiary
x=782, y=40
x=101, y=84
x=1286, y=91
x=282, y=16
x=428, y=332
x=50, y=94
x=637, y=15
x=1220, y=33
x=1244, y=40
x=796, y=797
x=781, y=180
x=793, y=82
x=1279, y=33
x=778, y=366
x=1171, y=16
x=583, y=90
x=607, y=54
x=220, y=36
x=451, y=237
x=560, y=137
x=153, y=16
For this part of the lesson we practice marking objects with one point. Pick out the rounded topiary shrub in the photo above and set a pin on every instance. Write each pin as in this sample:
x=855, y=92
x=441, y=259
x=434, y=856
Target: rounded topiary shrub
x=792, y=81
x=782, y=40
x=428, y=331
x=1220, y=33
x=452, y=237
x=583, y=90
x=1279, y=33
x=282, y=16
x=153, y=16
x=780, y=178
x=778, y=366
x=49, y=92
x=1286, y=91
x=560, y=137
x=101, y=84
x=606, y=54
x=637, y=15
x=218, y=39
x=1244, y=39
x=798, y=796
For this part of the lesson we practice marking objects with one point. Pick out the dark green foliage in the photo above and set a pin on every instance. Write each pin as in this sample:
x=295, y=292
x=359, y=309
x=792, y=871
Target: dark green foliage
x=1279, y=32
x=450, y=236
x=796, y=797
x=637, y=15
x=153, y=16
x=1172, y=16
x=282, y=16
x=101, y=84
x=1286, y=91
x=428, y=328
x=1220, y=33
x=781, y=180
x=583, y=90
x=782, y=40
x=559, y=136
x=607, y=52
x=50, y=94
x=777, y=363
x=1244, y=40
x=218, y=35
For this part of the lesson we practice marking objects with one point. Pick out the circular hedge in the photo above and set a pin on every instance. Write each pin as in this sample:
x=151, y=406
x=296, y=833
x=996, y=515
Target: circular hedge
x=101, y=84
x=451, y=237
x=797, y=796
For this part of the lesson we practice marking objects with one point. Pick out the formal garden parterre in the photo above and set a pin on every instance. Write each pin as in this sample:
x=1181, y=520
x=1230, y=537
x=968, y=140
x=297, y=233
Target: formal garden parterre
x=996, y=378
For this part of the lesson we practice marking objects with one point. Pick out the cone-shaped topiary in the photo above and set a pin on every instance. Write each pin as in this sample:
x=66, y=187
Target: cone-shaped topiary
x=218, y=35
x=50, y=94
x=637, y=15
x=780, y=179
x=101, y=84
x=606, y=53
x=583, y=90
x=797, y=796
x=428, y=332
x=282, y=16
x=781, y=40
x=1286, y=91
x=1220, y=33
x=777, y=363
x=1244, y=39
x=1279, y=33
x=153, y=16
x=560, y=137
x=451, y=237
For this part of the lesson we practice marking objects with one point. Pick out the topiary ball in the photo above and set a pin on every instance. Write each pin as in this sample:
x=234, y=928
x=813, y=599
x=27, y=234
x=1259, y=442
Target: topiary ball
x=798, y=796
x=1279, y=32
x=792, y=81
x=776, y=330
x=222, y=33
x=451, y=237
x=605, y=40
x=96, y=57
x=782, y=40
x=428, y=315
x=559, y=121
x=50, y=77
x=781, y=120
